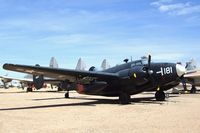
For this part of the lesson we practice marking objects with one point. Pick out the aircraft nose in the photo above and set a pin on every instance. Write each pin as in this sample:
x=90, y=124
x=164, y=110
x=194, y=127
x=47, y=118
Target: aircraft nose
x=180, y=70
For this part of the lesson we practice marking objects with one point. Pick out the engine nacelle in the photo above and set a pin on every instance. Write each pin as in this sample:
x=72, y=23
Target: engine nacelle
x=93, y=88
x=64, y=85
x=137, y=74
x=38, y=81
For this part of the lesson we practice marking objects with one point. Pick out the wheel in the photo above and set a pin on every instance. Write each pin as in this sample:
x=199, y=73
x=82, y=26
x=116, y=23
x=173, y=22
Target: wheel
x=124, y=98
x=193, y=90
x=160, y=96
x=67, y=95
x=29, y=89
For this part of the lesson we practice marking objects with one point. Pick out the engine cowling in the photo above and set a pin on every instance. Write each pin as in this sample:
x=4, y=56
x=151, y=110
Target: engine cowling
x=93, y=88
x=137, y=74
x=65, y=85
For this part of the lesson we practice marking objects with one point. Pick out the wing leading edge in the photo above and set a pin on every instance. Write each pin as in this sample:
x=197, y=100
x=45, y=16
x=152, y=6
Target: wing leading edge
x=58, y=73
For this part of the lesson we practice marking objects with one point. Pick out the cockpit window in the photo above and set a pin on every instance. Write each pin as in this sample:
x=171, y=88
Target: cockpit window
x=138, y=63
x=144, y=61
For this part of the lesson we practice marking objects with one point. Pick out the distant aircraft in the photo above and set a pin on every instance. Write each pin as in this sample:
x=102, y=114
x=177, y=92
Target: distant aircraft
x=30, y=80
x=192, y=76
x=81, y=65
x=53, y=63
x=105, y=65
x=7, y=79
x=123, y=80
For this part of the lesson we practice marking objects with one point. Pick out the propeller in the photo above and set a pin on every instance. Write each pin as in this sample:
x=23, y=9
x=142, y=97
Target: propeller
x=149, y=61
x=150, y=72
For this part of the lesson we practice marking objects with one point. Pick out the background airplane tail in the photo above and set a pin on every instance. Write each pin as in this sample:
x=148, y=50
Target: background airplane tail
x=81, y=65
x=191, y=65
x=53, y=63
x=105, y=64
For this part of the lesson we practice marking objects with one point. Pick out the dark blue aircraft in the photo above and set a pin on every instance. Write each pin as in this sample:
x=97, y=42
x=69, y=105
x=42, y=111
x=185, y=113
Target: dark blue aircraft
x=122, y=80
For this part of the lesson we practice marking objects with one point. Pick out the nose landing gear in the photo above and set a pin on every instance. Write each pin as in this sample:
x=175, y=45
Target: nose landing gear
x=160, y=95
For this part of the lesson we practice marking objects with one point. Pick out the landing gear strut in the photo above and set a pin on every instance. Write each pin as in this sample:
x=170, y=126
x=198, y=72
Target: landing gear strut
x=160, y=95
x=67, y=94
x=193, y=90
x=124, y=98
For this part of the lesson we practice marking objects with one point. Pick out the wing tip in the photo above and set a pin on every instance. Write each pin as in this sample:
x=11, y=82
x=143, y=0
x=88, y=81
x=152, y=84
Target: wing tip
x=7, y=65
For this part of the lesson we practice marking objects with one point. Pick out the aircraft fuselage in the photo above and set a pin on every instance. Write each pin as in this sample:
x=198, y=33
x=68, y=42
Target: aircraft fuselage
x=134, y=79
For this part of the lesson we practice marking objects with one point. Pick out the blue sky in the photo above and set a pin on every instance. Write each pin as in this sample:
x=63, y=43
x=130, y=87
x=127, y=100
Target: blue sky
x=32, y=31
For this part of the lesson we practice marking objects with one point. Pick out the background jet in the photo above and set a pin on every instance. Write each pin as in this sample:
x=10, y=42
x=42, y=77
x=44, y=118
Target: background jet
x=30, y=80
x=192, y=76
x=81, y=65
x=105, y=65
x=23, y=81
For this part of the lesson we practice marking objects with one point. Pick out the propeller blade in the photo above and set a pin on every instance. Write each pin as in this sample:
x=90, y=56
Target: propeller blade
x=149, y=61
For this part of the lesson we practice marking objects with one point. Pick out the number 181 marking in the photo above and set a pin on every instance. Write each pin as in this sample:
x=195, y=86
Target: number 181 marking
x=166, y=70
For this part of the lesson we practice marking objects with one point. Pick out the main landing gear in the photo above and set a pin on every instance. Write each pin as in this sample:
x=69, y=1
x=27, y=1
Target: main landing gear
x=29, y=89
x=124, y=98
x=67, y=94
x=193, y=89
x=160, y=95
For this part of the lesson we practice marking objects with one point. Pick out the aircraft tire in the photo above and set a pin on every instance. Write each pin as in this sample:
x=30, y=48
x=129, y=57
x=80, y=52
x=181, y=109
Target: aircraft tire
x=193, y=90
x=160, y=96
x=67, y=95
x=29, y=89
x=124, y=98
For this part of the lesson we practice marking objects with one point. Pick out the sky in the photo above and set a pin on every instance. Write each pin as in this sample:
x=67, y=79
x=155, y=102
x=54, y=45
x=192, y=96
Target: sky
x=33, y=31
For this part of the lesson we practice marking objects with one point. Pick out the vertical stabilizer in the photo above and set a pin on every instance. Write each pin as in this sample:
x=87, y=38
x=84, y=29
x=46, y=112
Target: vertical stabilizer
x=81, y=65
x=53, y=63
x=191, y=65
x=105, y=64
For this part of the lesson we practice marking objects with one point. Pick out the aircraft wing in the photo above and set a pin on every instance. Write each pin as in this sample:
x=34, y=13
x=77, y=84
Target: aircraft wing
x=193, y=78
x=192, y=74
x=8, y=79
x=60, y=74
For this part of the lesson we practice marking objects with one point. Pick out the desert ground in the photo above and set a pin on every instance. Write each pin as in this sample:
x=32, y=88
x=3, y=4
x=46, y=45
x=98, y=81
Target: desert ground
x=49, y=111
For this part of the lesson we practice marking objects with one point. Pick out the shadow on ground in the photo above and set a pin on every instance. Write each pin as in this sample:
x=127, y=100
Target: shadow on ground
x=90, y=102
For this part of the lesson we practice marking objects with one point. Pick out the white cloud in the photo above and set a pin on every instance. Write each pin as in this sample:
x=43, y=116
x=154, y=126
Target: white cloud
x=173, y=7
x=176, y=8
x=189, y=10
x=160, y=2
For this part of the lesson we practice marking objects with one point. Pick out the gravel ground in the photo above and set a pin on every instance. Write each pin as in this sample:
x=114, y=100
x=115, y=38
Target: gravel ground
x=44, y=111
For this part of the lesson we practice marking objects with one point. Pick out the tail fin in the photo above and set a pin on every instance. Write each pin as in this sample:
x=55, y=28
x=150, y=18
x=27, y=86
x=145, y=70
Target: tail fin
x=81, y=65
x=53, y=63
x=105, y=64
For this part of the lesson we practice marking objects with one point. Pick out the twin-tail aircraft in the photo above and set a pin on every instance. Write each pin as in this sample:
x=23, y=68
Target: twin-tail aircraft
x=122, y=80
